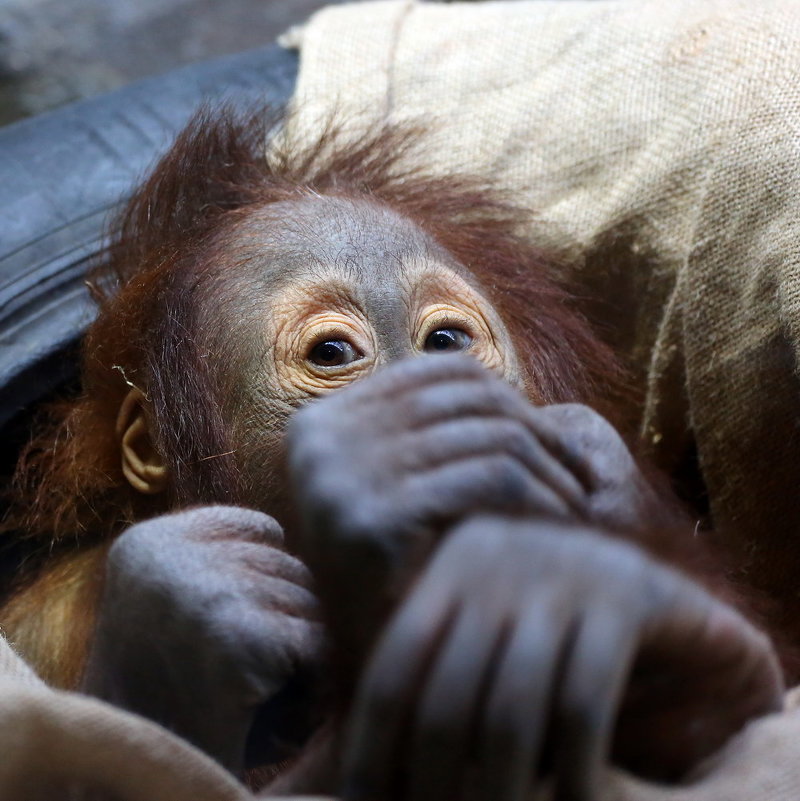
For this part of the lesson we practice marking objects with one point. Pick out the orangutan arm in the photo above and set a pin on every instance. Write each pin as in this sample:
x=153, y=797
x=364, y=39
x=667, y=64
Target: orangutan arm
x=50, y=620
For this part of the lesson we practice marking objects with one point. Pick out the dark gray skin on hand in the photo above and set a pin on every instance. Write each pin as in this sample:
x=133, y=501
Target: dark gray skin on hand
x=205, y=620
x=523, y=643
x=384, y=467
x=529, y=650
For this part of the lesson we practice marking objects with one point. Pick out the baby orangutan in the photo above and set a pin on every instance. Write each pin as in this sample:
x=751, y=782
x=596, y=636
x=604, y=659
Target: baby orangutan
x=493, y=605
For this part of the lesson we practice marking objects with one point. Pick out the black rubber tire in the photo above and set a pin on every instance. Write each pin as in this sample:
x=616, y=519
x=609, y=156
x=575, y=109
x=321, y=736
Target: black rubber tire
x=61, y=174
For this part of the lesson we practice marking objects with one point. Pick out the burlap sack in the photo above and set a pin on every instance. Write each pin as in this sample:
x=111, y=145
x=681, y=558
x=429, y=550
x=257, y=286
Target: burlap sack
x=658, y=143
x=53, y=744
x=56, y=746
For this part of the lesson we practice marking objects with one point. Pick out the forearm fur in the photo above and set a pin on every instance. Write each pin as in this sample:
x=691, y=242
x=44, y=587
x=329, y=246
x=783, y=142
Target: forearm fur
x=50, y=621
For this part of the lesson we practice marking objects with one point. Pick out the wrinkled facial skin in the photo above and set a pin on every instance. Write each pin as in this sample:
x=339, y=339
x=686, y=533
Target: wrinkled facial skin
x=341, y=288
x=376, y=283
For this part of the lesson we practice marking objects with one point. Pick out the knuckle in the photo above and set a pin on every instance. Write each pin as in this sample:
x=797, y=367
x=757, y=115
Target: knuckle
x=358, y=531
x=332, y=503
x=499, y=394
x=207, y=523
x=421, y=404
x=304, y=420
x=426, y=371
x=362, y=523
x=230, y=518
x=251, y=523
x=310, y=433
x=573, y=413
x=476, y=532
x=513, y=437
x=136, y=545
x=586, y=427
x=511, y=482
x=445, y=364
x=323, y=419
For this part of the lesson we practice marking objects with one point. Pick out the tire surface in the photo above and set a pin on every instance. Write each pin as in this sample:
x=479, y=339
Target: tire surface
x=61, y=175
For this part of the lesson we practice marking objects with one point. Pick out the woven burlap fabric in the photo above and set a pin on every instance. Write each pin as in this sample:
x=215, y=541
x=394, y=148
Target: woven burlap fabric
x=60, y=746
x=57, y=746
x=658, y=145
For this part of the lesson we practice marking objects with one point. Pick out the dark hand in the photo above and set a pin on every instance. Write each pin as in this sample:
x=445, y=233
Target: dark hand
x=205, y=619
x=511, y=659
x=381, y=467
x=617, y=494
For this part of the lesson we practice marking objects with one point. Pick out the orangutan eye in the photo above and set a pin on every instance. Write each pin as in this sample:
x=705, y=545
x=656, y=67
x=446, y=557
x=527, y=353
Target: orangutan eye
x=333, y=353
x=447, y=339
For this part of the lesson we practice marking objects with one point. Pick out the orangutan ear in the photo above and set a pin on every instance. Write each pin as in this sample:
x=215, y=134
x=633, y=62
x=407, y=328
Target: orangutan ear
x=142, y=464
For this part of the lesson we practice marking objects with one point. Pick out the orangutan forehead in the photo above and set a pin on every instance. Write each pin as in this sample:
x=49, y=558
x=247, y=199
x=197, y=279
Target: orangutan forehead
x=316, y=236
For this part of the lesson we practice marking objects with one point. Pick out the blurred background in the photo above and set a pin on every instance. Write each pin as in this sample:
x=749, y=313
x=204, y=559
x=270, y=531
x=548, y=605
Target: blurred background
x=56, y=51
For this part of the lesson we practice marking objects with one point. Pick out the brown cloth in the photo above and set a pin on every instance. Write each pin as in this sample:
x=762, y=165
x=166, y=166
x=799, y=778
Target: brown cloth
x=56, y=746
x=659, y=145
x=60, y=746
x=54, y=743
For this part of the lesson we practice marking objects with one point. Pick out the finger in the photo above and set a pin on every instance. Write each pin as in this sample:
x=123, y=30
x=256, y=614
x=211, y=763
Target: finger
x=497, y=483
x=213, y=522
x=264, y=650
x=571, y=432
x=276, y=594
x=304, y=641
x=598, y=663
x=459, y=439
x=472, y=396
x=519, y=705
x=380, y=713
x=394, y=382
x=409, y=375
x=275, y=563
x=268, y=704
x=258, y=576
x=720, y=672
x=449, y=706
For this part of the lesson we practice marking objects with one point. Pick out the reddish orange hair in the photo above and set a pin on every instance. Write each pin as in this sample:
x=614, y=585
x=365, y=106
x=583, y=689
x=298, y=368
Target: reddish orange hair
x=153, y=280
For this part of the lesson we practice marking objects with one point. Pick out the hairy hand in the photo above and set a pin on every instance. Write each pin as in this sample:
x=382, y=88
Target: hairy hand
x=205, y=623
x=380, y=468
x=529, y=650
